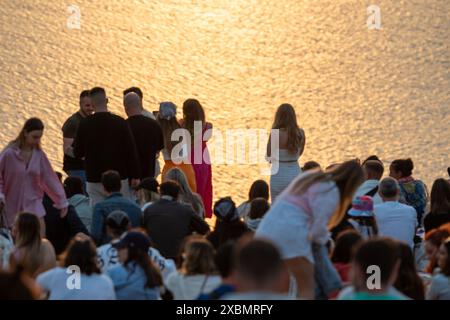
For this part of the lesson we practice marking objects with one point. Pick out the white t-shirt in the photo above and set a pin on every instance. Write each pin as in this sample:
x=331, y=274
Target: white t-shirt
x=62, y=286
x=190, y=287
x=367, y=186
x=439, y=288
x=397, y=221
x=108, y=258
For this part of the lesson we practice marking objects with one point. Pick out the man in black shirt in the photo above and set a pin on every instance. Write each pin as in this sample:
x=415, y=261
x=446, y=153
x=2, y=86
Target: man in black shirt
x=168, y=221
x=147, y=135
x=106, y=142
x=74, y=167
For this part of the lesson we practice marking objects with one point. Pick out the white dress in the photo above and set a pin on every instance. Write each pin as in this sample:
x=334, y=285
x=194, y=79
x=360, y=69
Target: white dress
x=285, y=168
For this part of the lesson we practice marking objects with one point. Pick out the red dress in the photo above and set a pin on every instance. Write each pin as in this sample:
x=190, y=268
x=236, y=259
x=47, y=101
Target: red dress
x=203, y=173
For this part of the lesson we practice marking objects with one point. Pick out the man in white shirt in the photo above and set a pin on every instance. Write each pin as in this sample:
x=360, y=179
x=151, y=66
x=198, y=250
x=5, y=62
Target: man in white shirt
x=373, y=171
x=394, y=219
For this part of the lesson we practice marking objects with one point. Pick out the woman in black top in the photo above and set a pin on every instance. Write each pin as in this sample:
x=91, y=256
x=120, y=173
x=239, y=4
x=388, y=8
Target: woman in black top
x=440, y=205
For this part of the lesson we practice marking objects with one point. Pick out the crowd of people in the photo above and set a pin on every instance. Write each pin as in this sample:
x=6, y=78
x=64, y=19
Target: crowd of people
x=119, y=227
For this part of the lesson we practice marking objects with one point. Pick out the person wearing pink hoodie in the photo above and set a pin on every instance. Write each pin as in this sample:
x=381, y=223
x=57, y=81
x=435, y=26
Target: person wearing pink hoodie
x=26, y=173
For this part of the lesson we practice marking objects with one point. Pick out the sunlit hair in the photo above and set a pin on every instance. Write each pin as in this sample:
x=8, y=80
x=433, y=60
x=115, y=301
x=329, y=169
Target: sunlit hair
x=167, y=127
x=186, y=193
x=348, y=177
x=440, y=196
x=436, y=237
x=192, y=111
x=198, y=257
x=285, y=118
x=28, y=240
x=32, y=124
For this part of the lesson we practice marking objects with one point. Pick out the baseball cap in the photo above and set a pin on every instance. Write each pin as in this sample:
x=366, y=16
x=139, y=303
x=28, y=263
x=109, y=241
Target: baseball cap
x=362, y=207
x=133, y=240
x=225, y=209
x=117, y=219
x=150, y=184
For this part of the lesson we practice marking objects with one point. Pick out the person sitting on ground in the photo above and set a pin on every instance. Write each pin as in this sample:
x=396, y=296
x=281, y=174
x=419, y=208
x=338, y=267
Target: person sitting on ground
x=258, y=208
x=137, y=277
x=114, y=201
x=168, y=221
x=311, y=165
x=439, y=205
x=440, y=284
x=370, y=158
x=198, y=274
x=383, y=253
x=228, y=225
x=79, y=260
x=258, y=189
x=433, y=241
x=394, y=219
x=147, y=192
x=33, y=253
x=342, y=255
x=373, y=171
x=117, y=224
x=408, y=280
x=362, y=217
x=225, y=263
x=73, y=186
x=186, y=196
x=260, y=273
x=413, y=192
x=60, y=230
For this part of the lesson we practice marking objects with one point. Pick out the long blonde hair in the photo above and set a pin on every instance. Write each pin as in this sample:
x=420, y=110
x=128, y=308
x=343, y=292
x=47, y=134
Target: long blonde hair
x=186, y=193
x=348, y=177
x=285, y=118
x=28, y=241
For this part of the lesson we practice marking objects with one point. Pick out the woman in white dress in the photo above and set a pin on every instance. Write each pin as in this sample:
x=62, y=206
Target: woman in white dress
x=284, y=155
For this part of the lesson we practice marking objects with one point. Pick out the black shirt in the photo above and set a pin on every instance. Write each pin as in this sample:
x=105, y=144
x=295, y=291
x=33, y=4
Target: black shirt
x=435, y=220
x=227, y=231
x=59, y=231
x=168, y=223
x=69, y=129
x=149, y=141
x=106, y=142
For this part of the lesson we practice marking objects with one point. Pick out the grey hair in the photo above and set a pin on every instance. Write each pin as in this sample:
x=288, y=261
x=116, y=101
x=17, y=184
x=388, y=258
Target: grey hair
x=389, y=187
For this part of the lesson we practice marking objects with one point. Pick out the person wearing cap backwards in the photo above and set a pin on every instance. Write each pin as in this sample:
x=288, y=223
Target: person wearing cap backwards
x=117, y=224
x=137, y=277
x=362, y=217
x=147, y=192
x=228, y=225
x=168, y=221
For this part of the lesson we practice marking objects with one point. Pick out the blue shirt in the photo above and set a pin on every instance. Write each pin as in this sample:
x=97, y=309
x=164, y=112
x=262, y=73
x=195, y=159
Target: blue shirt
x=218, y=293
x=102, y=209
x=129, y=283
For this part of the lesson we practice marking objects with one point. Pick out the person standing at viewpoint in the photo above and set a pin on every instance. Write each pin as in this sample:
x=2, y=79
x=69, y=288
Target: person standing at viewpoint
x=74, y=167
x=106, y=142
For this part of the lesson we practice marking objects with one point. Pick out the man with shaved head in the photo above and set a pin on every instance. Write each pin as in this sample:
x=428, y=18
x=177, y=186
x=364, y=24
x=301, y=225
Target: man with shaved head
x=106, y=143
x=146, y=132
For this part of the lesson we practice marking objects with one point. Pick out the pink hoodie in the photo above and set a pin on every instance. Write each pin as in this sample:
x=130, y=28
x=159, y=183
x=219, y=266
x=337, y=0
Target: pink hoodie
x=22, y=188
